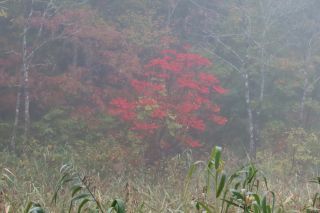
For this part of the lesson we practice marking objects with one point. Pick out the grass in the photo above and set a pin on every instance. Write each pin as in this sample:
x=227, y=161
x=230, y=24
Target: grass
x=34, y=183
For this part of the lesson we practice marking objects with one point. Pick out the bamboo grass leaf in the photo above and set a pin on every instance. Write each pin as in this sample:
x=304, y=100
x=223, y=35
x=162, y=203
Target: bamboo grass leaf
x=221, y=185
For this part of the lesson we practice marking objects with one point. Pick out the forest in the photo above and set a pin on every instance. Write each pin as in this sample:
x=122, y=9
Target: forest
x=159, y=106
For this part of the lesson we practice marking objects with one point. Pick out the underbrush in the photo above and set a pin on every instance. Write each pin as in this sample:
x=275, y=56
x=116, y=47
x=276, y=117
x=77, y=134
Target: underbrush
x=64, y=179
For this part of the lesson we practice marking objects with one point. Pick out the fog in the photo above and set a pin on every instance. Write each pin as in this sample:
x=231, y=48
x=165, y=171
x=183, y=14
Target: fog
x=159, y=105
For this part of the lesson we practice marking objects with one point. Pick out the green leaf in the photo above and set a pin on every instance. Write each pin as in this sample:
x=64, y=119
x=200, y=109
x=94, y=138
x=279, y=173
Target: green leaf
x=86, y=200
x=315, y=180
x=64, y=168
x=29, y=205
x=78, y=197
x=315, y=198
x=200, y=205
x=33, y=208
x=9, y=179
x=216, y=156
x=230, y=202
x=257, y=198
x=221, y=185
x=264, y=204
x=75, y=189
x=237, y=194
x=36, y=209
x=256, y=208
x=117, y=205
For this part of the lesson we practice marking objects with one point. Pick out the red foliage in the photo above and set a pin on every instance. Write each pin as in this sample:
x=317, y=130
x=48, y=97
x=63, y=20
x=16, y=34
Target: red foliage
x=192, y=122
x=146, y=87
x=219, y=119
x=158, y=113
x=144, y=126
x=123, y=108
x=147, y=101
x=171, y=93
x=192, y=142
x=219, y=89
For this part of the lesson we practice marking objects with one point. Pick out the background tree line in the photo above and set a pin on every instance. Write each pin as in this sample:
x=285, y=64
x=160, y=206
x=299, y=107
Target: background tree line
x=63, y=62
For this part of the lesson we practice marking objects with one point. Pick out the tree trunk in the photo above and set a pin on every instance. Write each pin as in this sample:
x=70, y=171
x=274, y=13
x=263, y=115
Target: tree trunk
x=23, y=84
x=25, y=70
x=17, y=114
x=153, y=150
x=262, y=76
x=252, y=143
x=75, y=55
x=257, y=123
x=303, y=99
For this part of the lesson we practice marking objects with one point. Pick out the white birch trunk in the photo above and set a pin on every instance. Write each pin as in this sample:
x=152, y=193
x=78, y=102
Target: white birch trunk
x=25, y=69
x=303, y=99
x=252, y=144
x=17, y=114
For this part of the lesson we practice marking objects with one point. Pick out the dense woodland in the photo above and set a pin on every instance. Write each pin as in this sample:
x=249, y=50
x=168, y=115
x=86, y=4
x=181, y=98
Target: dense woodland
x=126, y=87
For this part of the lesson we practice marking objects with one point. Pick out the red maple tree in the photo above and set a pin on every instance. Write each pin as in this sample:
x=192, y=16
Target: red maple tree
x=170, y=101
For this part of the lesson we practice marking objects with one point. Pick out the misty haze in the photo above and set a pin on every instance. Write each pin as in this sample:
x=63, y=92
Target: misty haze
x=128, y=106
